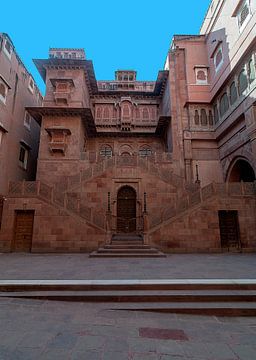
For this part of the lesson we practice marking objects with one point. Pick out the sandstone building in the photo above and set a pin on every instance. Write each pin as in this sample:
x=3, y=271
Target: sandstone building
x=173, y=160
x=19, y=133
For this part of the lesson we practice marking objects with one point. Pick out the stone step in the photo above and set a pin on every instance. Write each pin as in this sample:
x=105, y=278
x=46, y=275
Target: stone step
x=138, y=296
x=135, y=242
x=196, y=308
x=125, y=246
x=127, y=237
x=96, y=254
x=127, y=251
x=129, y=285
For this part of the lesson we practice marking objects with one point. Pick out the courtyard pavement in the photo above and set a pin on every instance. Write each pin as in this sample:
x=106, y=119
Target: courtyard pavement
x=38, y=329
x=80, y=266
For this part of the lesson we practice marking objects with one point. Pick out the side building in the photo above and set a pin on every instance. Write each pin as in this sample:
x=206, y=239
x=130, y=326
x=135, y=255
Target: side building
x=19, y=133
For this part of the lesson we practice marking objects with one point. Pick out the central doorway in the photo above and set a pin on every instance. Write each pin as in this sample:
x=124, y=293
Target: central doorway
x=126, y=210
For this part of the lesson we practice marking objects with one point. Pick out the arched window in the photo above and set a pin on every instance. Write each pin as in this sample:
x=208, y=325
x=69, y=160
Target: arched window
x=106, y=114
x=98, y=113
x=242, y=81
x=145, y=151
x=137, y=113
x=233, y=93
x=224, y=104
x=106, y=151
x=210, y=117
x=196, y=117
x=251, y=71
x=216, y=113
x=145, y=113
x=203, y=117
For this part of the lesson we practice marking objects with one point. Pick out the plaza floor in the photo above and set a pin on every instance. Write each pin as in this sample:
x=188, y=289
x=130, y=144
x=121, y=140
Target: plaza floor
x=80, y=266
x=43, y=329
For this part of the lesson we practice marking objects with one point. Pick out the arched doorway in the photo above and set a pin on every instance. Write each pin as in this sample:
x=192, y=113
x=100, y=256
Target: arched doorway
x=126, y=210
x=241, y=171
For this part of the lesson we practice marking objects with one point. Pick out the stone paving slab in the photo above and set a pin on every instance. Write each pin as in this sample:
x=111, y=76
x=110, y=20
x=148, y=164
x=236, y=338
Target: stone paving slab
x=80, y=266
x=67, y=331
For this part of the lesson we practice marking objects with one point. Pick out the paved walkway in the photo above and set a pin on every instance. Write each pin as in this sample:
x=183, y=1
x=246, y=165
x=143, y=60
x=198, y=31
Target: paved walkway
x=42, y=330
x=80, y=266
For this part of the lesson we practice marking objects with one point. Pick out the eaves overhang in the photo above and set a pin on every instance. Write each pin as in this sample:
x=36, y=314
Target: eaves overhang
x=85, y=113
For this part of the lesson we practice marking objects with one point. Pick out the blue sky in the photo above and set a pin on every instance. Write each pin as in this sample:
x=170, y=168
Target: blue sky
x=116, y=34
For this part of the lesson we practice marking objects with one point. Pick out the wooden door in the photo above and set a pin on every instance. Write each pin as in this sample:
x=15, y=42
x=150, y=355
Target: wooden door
x=23, y=232
x=126, y=210
x=229, y=229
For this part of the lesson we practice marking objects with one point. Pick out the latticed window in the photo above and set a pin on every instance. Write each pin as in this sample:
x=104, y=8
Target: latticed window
x=106, y=151
x=145, y=151
x=203, y=117
x=224, y=105
x=243, y=13
x=242, y=81
x=233, y=93
x=251, y=71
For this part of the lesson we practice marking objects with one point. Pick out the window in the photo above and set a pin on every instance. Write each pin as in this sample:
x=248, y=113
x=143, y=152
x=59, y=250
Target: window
x=31, y=85
x=145, y=113
x=242, y=81
x=27, y=120
x=8, y=48
x=203, y=117
x=3, y=91
x=233, y=93
x=210, y=118
x=216, y=113
x=145, y=151
x=218, y=58
x=196, y=117
x=251, y=67
x=106, y=151
x=23, y=157
x=243, y=14
x=201, y=76
x=224, y=105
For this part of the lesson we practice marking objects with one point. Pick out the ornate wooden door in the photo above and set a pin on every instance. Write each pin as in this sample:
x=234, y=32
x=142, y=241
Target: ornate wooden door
x=23, y=231
x=229, y=229
x=126, y=210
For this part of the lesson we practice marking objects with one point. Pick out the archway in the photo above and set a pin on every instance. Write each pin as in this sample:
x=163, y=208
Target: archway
x=126, y=210
x=241, y=171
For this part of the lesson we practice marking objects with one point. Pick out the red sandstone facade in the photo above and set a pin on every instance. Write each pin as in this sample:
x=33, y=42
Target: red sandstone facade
x=173, y=160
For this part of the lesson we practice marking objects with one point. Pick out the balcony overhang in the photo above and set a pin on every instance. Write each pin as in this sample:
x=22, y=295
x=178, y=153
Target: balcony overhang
x=85, y=113
x=162, y=125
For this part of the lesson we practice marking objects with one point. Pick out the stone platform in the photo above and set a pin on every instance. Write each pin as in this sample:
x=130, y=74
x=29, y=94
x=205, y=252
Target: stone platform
x=44, y=328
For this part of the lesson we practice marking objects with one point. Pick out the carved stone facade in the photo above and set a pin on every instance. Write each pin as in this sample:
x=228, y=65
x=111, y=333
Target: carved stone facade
x=173, y=160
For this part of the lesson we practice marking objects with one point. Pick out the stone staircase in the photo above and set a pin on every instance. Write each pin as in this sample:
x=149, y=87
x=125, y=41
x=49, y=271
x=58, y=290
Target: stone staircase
x=220, y=297
x=127, y=245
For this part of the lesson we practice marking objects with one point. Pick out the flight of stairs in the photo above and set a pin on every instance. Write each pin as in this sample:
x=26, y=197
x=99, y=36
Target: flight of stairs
x=127, y=245
x=219, y=297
